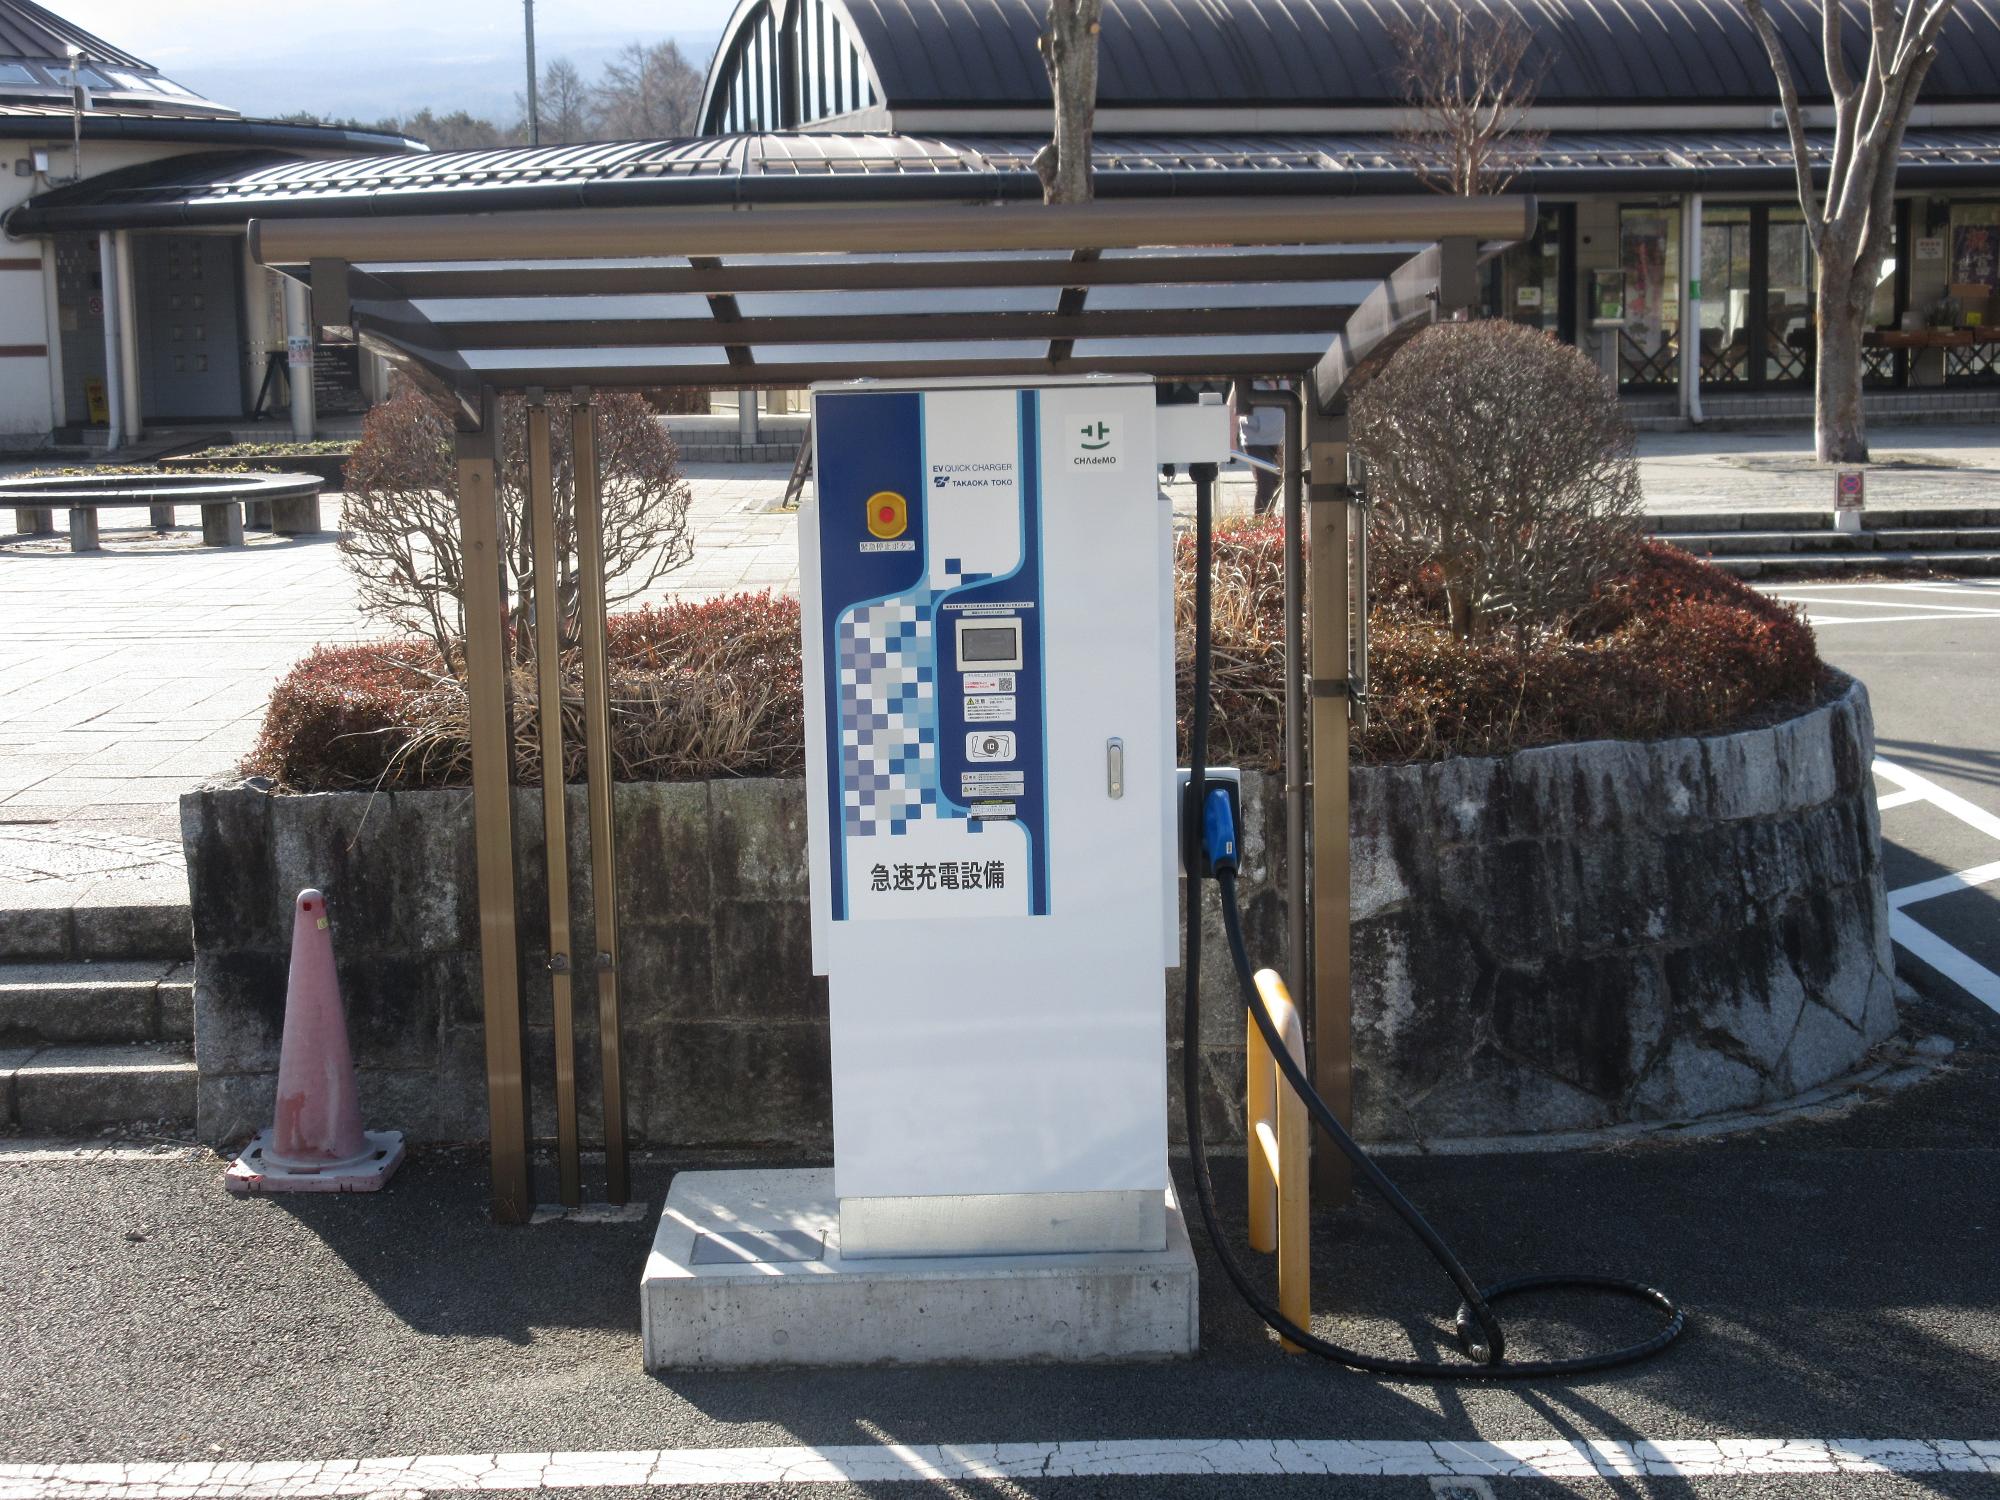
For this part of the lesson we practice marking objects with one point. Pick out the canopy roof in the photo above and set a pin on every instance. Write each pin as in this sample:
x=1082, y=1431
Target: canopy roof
x=646, y=297
x=229, y=188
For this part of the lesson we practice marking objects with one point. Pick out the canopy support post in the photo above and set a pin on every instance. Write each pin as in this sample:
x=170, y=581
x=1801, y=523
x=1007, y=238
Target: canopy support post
x=546, y=546
x=480, y=541
x=597, y=745
x=1329, y=523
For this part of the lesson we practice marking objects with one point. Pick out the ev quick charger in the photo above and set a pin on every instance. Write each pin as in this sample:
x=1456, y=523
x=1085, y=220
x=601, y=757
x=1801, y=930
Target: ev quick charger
x=986, y=597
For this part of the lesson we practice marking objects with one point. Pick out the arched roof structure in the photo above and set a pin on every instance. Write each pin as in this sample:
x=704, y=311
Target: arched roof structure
x=1185, y=65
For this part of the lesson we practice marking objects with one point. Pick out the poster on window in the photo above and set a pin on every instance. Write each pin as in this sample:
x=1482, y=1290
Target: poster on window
x=1975, y=253
x=1645, y=237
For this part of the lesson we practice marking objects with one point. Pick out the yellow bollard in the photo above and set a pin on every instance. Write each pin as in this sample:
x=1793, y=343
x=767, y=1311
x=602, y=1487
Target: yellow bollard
x=1279, y=1157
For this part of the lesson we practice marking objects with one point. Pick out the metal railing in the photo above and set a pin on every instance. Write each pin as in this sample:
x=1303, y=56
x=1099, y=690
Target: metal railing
x=1280, y=1155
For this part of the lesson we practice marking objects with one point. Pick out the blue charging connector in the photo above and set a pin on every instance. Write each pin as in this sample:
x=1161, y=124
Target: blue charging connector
x=1218, y=830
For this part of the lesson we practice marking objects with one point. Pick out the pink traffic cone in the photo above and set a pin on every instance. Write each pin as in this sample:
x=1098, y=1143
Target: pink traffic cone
x=315, y=1143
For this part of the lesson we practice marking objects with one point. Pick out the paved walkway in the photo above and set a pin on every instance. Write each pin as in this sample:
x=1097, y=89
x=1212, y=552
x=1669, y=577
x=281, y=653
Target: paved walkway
x=134, y=674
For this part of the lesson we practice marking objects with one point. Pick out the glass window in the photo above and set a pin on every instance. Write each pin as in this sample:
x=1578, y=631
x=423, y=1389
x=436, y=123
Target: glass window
x=1526, y=283
x=1726, y=303
x=1788, y=298
x=15, y=73
x=1649, y=254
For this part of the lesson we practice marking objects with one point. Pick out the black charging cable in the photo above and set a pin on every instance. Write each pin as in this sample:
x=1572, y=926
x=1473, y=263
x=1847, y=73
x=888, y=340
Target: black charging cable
x=1478, y=1329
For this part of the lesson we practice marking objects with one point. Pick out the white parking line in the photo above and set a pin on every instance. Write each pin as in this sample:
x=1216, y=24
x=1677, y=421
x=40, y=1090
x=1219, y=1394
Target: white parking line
x=1960, y=968
x=1943, y=611
x=974, y=1462
x=1991, y=614
x=1929, y=791
x=1946, y=885
x=1897, y=799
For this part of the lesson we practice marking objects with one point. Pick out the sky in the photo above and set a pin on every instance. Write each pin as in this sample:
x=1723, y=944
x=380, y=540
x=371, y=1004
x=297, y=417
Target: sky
x=369, y=58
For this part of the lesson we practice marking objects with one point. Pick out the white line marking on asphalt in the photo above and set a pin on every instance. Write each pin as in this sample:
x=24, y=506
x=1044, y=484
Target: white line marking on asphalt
x=677, y=1468
x=1946, y=885
x=1897, y=799
x=1990, y=614
x=1966, y=812
x=1943, y=611
x=1920, y=586
x=1961, y=969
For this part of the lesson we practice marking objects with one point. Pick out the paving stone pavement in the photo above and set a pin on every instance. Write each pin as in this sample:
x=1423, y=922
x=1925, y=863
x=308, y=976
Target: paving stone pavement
x=131, y=675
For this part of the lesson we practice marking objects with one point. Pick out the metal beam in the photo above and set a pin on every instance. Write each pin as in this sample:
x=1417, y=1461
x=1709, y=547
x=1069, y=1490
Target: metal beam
x=545, y=544
x=880, y=328
x=597, y=754
x=1104, y=223
x=1442, y=278
x=1329, y=516
x=827, y=273
x=608, y=377
x=492, y=813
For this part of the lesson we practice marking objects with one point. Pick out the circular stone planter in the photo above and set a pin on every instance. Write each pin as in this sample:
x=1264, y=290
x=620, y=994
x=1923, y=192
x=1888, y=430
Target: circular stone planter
x=1584, y=935
x=287, y=503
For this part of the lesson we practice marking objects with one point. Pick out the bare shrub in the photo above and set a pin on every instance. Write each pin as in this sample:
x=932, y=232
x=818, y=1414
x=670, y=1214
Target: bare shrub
x=1500, y=454
x=1469, y=81
x=402, y=537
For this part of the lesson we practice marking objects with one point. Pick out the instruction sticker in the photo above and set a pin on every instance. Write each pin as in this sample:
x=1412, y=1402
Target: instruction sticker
x=984, y=810
x=989, y=682
x=989, y=708
x=973, y=785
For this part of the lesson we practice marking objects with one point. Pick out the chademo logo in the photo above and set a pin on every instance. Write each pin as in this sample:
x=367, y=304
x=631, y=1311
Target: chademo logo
x=1094, y=441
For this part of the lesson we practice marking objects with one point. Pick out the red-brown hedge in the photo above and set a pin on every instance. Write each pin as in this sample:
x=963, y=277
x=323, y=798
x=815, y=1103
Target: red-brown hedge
x=701, y=689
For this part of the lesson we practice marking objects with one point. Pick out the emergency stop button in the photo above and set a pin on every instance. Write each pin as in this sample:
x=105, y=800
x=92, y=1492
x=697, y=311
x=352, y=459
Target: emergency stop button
x=888, y=514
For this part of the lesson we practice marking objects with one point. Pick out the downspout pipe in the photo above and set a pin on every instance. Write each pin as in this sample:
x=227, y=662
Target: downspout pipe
x=1691, y=309
x=114, y=356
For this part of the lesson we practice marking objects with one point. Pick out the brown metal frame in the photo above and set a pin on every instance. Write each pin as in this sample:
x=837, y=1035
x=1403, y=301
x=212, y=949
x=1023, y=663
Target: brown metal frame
x=545, y=547
x=1197, y=240
x=597, y=750
x=480, y=536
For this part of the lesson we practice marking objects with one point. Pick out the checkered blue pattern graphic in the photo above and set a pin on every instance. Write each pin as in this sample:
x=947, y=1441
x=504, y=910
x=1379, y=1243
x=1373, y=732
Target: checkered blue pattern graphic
x=888, y=716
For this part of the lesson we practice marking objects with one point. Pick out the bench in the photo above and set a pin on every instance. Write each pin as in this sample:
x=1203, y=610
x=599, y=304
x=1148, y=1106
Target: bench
x=287, y=503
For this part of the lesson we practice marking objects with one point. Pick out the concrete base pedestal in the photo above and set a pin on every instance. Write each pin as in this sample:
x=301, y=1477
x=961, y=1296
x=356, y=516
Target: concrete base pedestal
x=746, y=1271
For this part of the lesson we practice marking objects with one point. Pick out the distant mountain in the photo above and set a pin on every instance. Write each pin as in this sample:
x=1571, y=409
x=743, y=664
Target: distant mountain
x=440, y=71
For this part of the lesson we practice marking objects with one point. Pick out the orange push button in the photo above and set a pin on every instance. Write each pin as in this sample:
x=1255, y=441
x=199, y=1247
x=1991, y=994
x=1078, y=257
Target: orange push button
x=888, y=514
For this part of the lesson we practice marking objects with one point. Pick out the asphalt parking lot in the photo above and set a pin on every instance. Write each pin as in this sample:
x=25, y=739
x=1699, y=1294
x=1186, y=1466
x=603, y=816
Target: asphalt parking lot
x=161, y=1341
x=1929, y=653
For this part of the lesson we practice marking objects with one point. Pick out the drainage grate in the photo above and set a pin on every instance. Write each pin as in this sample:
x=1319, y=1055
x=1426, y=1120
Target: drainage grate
x=1461, y=1489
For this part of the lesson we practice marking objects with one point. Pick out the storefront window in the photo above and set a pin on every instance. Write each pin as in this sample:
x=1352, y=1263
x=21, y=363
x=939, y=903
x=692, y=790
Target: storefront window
x=1725, y=294
x=1524, y=284
x=1649, y=254
x=1788, y=298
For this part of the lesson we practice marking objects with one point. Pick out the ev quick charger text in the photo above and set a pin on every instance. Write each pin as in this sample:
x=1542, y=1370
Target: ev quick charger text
x=930, y=599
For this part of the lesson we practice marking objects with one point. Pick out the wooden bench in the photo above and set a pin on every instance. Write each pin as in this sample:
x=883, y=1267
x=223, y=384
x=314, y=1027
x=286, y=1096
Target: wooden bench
x=287, y=503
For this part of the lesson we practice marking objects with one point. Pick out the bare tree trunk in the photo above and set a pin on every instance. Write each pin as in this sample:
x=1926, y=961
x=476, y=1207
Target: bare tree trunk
x=1069, y=52
x=1839, y=433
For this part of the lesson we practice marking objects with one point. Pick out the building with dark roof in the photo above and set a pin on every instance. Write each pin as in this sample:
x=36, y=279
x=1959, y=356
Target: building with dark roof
x=169, y=327
x=1654, y=131
x=1658, y=123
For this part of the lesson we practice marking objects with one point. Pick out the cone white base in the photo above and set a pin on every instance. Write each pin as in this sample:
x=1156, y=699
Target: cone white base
x=254, y=1172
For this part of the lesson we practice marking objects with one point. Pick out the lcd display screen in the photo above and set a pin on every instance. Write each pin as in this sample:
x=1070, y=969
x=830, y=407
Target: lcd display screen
x=988, y=643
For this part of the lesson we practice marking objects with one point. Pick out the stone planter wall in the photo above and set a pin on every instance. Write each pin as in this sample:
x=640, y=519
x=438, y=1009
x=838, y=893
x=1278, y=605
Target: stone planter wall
x=1558, y=939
